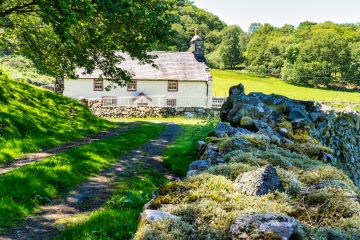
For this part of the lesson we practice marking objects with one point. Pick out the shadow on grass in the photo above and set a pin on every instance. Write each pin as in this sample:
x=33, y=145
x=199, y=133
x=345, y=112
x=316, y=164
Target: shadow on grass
x=23, y=190
x=118, y=218
x=33, y=119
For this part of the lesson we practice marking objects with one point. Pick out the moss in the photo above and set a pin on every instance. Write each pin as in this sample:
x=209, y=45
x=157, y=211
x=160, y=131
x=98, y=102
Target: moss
x=215, y=140
x=332, y=207
x=227, y=145
x=257, y=139
x=324, y=173
x=230, y=171
x=289, y=181
x=287, y=125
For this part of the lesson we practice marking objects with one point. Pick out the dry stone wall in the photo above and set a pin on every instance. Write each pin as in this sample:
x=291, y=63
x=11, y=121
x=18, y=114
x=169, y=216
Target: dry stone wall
x=98, y=109
x=276, y=115
x=340, y=130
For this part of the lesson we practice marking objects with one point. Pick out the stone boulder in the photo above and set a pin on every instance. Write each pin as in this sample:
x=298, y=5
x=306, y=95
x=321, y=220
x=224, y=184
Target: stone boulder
x=264, y=226
x=199, y=165
x=259, y=182
x=242, y=131
x=155, y=215
x=192, y=173
x=298, y=118
x=224, y=130
x=248, y=123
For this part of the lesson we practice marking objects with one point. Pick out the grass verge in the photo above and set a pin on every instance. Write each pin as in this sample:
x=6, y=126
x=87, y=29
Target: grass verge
x=23, y=190
x=32, y=119
x=182, y=152
x=121, y=212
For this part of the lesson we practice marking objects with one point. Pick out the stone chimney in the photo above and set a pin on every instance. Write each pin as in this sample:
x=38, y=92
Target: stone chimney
x=197, y=47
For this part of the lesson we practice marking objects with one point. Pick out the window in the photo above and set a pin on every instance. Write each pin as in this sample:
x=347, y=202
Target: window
x=171, y=102
x=132, y=86
x=173, y=86
x=98, y=85
x=109, y=101
x=142, y=104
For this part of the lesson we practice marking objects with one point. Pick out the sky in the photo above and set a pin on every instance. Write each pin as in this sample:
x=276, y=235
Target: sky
x=280, y=12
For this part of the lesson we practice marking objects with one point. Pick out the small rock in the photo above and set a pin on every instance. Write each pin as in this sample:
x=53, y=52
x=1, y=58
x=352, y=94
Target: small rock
x=201, y=148
x=199, y=165
x=242, y=131
x=248, y=123
x=284, y=132
x=192, y=173
x=275, y=225
x=155, y=215
x=297, y=114
x=224, y=130
x=259, y=182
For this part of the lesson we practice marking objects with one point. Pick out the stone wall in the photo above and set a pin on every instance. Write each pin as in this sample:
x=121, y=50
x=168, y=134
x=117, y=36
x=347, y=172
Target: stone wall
x=277, y=115
x=340, y=131
x=148, y=112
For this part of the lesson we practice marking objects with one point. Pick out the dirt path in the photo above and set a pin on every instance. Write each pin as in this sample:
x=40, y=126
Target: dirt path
x=93, y=193
x=35, y=157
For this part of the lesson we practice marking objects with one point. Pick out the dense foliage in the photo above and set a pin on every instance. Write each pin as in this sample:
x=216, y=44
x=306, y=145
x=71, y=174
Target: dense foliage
x=65, y=34
x=324, y=54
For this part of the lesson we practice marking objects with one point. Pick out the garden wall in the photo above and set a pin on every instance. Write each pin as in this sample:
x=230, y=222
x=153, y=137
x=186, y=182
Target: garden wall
x=148, y=112
x=340, y=131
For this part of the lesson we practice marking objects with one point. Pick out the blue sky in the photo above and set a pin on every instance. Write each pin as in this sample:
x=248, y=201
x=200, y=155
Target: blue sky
x=279, y=12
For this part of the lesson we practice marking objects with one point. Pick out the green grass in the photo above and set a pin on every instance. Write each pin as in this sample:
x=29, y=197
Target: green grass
x=121, y=212
x=224, y=79
x=182, y=152
x=20, y=67
x=33, y=119
x=23, y=190
x=177, y=120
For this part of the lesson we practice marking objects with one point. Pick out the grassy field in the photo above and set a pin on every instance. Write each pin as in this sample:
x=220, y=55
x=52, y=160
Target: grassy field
x=223, y=80
x=32, y=118
x=55, y=176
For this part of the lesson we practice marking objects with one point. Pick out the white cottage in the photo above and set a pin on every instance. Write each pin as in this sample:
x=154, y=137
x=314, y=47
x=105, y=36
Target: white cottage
x=181, y=79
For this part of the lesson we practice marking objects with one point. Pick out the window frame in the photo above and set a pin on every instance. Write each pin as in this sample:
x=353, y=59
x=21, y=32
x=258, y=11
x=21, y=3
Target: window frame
x=171, y=100
x=95, y=86
x=177, y=86
x=107, y=99
x=131, y=89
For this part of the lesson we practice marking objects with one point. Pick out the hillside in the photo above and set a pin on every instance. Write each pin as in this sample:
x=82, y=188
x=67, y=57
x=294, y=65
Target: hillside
x=19, y=67
x=224, y=79
x=32, y=119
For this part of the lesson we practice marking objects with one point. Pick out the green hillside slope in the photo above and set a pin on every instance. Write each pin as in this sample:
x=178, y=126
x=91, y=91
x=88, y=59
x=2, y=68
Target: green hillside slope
x=224, y=79
x=33, y=119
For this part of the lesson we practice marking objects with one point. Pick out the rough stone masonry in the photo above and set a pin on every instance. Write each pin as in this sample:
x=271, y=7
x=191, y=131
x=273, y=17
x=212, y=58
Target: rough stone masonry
x=337, y=129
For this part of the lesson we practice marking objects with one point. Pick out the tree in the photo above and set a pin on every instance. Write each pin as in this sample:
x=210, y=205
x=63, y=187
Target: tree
x=230, y=50
x=324, y=55
x=66, y=34
x=186, y=17
x=254, y=27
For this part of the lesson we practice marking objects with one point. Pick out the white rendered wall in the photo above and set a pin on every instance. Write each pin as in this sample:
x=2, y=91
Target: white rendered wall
x=187, y=91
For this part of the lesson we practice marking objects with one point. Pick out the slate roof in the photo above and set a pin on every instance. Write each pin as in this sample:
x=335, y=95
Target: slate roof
x=181, y=66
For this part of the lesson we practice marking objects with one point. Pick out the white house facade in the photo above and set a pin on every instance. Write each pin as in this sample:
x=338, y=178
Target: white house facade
x=181, y=79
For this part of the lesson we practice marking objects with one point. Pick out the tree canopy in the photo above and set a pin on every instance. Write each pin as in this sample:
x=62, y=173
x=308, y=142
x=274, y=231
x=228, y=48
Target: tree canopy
x=324, y=54
x=63, y=35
